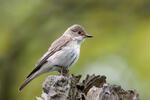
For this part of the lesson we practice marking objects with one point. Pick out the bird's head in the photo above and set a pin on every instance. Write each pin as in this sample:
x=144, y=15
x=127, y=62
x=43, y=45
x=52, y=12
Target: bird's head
x=76, y=32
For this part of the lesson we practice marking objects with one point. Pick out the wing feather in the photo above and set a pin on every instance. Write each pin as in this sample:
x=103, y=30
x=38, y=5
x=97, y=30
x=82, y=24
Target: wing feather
x=56, y=46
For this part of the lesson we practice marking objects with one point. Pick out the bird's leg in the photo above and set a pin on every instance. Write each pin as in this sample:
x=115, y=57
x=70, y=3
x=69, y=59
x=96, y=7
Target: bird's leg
x=64, y=71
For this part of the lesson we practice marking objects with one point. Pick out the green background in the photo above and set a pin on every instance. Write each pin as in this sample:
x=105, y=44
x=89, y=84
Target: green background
x=120, y=48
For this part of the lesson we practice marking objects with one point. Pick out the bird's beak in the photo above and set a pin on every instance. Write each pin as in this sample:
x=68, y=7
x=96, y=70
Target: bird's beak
x=88, y=36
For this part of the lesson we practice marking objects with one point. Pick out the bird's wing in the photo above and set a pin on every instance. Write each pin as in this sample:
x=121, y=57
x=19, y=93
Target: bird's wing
x=56, y=46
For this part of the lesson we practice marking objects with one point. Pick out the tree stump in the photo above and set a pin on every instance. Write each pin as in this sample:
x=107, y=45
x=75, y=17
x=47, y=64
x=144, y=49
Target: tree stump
x=93, y=87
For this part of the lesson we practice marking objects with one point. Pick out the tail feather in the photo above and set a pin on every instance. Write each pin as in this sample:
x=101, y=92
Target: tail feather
x=28, y=80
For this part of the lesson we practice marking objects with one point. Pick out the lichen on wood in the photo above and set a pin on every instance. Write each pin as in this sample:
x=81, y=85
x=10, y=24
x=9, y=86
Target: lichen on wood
x=93, y=87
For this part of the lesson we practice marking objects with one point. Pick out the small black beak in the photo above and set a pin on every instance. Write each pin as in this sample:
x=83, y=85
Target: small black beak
x=88, y=36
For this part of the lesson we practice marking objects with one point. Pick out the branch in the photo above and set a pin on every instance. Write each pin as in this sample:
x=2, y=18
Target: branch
x=94, y=87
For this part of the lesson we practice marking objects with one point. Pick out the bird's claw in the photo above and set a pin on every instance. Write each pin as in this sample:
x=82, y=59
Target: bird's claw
x=64, y=71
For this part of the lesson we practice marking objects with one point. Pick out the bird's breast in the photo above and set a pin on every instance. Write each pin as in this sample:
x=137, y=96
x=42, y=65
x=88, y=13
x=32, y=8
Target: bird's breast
x=67, y=56
x=71, y=55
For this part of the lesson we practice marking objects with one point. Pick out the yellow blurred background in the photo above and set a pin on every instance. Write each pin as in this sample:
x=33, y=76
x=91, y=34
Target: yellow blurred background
x=120, y=48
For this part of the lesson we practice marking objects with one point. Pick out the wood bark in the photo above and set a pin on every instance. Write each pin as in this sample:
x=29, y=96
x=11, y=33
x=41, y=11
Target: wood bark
x=93, y=87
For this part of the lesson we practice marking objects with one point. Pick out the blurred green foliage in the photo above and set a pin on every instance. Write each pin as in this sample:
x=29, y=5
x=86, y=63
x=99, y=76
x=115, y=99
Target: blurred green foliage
x=120, y=49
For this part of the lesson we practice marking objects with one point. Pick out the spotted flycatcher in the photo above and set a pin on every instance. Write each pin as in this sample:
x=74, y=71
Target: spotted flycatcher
x=63, y=53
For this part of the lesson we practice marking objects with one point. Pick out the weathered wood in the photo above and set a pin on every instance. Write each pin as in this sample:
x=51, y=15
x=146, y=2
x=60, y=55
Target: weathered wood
x=94, y=87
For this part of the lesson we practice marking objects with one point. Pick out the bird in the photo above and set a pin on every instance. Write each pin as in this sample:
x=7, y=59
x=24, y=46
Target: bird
x=62, y=54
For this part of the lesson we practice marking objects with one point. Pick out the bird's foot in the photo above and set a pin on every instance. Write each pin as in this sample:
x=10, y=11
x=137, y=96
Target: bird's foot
x=64, y=72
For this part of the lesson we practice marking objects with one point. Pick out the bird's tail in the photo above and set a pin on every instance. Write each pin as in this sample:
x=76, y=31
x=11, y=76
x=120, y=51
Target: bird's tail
x=28, y=80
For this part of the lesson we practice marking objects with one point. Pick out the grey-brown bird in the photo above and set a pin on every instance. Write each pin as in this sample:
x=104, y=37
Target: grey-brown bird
x=63, y=53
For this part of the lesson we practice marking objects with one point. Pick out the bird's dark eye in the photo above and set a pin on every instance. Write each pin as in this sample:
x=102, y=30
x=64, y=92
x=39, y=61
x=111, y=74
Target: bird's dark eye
x=79, y=32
